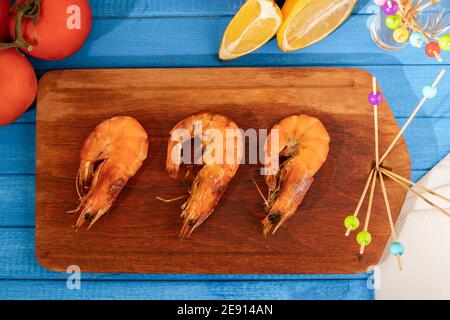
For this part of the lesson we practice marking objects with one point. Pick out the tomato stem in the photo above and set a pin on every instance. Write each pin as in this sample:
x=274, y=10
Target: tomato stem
x=22, y=10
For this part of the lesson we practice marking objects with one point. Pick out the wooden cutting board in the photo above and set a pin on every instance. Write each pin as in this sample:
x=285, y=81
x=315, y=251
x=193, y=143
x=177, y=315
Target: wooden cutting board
x=140, y=233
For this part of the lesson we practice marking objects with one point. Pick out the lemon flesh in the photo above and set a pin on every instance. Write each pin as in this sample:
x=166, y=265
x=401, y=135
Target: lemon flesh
x=255, y=24
x=309, y=21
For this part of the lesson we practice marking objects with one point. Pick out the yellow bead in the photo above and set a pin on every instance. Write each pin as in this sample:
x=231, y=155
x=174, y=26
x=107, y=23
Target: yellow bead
x=401, y=35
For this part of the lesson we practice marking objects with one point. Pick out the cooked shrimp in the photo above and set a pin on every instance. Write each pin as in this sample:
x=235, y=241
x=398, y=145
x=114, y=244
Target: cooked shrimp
x=110, y=155
x=221, y=139
x=304, y=141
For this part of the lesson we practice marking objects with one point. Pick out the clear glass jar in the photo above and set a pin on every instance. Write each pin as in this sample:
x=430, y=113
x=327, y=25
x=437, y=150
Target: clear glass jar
x=435, y=20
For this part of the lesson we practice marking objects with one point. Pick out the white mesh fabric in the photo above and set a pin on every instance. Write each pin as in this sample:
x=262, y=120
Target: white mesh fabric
x=425, y=234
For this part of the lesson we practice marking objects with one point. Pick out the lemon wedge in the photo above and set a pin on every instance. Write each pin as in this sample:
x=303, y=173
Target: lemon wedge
x=309, y=21
x=255, y=24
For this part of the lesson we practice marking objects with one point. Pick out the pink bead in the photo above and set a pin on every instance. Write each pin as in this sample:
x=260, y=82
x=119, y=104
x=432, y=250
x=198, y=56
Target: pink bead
x=375, y=98
x=379, y=2
x=390, y=7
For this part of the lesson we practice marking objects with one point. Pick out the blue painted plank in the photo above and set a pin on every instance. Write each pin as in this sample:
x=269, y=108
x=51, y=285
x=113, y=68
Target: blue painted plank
x=273, y=290
x=427, y=140
x=29, y=116
x=163, y=8
x=417, y=174
x=189, y=42
x=17, y=200
x=178, y=8
x=17, y=261
x=17, y=148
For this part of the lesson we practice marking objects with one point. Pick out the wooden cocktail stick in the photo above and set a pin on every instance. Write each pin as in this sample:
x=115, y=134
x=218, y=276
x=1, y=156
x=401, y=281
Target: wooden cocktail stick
x=375, y=119
x=361, y=249
x=404, y=185
x=438, y=78
x=361, y=200
x=401, y=7
x=399, y=262
x=369, y=209
x=437, y=195
x=419, y=106
x=418, y=2
x=426, y=5
x=391, y=221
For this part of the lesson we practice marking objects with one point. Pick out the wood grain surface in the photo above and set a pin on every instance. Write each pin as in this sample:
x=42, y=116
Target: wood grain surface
x=140, y=234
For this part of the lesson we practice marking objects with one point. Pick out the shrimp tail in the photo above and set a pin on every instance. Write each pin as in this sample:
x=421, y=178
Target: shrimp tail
x=84, y=178
x=271, y=221
x=185, y=231
x=87, y=215
x=203, y=198
x=283, y=203
x=189, y=225
x=193, y=218
x=93, y=208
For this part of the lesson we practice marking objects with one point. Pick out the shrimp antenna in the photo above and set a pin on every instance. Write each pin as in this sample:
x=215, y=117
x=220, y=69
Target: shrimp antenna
x=260, y=193
x=171, y=200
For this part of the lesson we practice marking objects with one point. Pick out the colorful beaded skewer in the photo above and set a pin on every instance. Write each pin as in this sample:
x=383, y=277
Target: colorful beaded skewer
x=351, y=223
x=400, y=18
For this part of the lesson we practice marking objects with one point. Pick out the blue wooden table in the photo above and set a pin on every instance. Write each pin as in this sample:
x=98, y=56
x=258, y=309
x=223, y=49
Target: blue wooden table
x=182, y=33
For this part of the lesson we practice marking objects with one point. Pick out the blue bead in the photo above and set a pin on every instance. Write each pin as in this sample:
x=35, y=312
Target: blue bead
x=429, y=92
x=417, y=39
x=396, y=249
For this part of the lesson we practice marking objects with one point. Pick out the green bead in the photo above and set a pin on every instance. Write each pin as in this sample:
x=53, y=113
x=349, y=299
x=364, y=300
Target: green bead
x=444, y=42
x=364, y=237
x=351, y=222
x=394, y=21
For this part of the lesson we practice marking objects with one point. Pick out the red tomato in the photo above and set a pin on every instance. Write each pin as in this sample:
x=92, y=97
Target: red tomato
x=18, y=85
x=4, y=19
x=63, y=27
